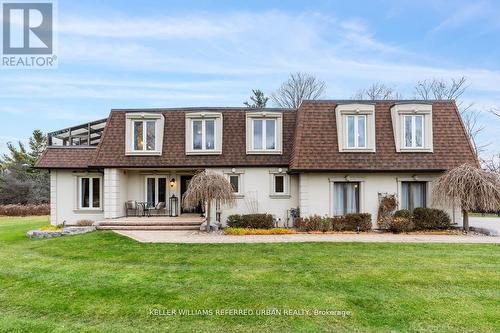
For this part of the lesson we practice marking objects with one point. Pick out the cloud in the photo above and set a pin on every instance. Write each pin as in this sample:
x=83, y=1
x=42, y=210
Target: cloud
x=481, y=12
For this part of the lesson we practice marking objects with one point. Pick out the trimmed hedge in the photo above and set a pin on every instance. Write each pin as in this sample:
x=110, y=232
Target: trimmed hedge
x=403, y=213
x=429, y=218
x=420, y=219
x=253, y=221
x=349, y=222
x=401, y=224
x=24, y=210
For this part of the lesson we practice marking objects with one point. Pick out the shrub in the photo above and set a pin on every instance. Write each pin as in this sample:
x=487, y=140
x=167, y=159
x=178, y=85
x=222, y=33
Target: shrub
x=51, y=227
x=403, y=213
x=401, y=224
x=252, y=231
x=443, y=220
x=352, y=222
x=428, y=218
x=256, y=221
x=84, y=223
x=24, y=210
x=314, y=223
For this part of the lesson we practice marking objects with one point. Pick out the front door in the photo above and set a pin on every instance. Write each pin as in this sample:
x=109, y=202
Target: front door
x=184, y=186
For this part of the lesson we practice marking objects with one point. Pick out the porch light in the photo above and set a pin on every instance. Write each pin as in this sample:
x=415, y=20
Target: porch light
x=172, y=182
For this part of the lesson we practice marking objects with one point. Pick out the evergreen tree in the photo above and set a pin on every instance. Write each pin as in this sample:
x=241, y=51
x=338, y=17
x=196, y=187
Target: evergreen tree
x=258, y=100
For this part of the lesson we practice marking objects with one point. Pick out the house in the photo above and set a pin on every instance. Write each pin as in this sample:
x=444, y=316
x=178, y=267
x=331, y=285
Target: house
x=329, y=157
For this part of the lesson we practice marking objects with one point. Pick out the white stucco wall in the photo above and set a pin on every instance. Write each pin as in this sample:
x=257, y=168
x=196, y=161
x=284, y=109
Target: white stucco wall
x=64, y=199
x=316, y=191
x=256, y=187
x=115, y=192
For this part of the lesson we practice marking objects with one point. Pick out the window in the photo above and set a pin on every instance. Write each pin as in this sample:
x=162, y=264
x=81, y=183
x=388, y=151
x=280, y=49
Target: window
x=264, y=134
x=346, y=198
x=279, y=184
x=156, y=190
x=413, y=131
x=356, y=131
x=413, y=195
x=355, y=127
x=90, y=193
x=235, y=183
x=412, y=127
x=144, y=135
x=203, y=134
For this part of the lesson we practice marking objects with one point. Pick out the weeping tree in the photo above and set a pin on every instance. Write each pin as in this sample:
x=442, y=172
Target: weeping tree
x=207, y=187
x=470, y=188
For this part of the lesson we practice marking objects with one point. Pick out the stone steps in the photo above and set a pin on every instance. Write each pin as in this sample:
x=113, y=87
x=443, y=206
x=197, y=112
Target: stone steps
x=149, y=227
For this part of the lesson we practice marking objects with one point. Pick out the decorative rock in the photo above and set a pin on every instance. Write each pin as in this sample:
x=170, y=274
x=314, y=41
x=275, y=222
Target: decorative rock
x=77, y=230
x=43, y=234
x=66, y=231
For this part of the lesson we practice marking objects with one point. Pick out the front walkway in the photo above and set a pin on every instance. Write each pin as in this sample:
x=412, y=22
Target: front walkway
x=200, y=237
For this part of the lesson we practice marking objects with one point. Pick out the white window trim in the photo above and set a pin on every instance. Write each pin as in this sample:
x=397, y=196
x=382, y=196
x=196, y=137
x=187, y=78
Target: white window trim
x=189, y=142
x=129, y=133
x=345, y=179
x=286, y=184
x=278, y=117
x=413, y=131
x=356, y=131
x=398, y=112
x=204, y=135
x=416, y=178
x=240, y=174
x=264, y=134
x=91, y=185
x=355, y=109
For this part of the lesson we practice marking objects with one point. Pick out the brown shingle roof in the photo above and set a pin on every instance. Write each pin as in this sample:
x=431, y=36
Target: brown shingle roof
x=316, y=146
x=309, y=143
x=65, y=158
x=111, y=150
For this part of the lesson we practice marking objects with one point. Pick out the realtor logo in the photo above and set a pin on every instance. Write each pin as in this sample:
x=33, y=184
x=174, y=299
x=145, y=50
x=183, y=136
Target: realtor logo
x=27, y=29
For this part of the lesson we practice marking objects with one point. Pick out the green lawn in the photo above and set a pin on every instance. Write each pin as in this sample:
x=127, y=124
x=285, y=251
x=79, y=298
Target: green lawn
x=102, y=282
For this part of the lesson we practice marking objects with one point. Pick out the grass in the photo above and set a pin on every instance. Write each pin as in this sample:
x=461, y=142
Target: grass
x=102, y=282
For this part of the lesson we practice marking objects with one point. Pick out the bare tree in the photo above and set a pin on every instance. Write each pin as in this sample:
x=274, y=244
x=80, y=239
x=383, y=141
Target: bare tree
x=208, y=187
x=454, y=89
x=470, y=188
x=377, y=91
x=495, y=111
x=492, y=164
x=299, y=87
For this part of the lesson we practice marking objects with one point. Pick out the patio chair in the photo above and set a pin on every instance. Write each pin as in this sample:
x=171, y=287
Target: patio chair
x=131, y=208
x=159, y=209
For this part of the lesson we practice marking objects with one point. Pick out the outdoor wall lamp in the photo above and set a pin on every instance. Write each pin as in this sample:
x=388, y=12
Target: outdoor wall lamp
x=172, y=182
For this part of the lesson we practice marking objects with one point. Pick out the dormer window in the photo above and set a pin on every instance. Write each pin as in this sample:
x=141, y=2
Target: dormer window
x=144, y=133
x=412, y=126
x=264, y=132
x=204, y=133
x=356, y=131
x=413, y=131
x=355, y=127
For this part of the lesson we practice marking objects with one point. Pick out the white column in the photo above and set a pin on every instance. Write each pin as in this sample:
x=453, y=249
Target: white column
x=112, y=200
x=53, y=197
x=304, y=194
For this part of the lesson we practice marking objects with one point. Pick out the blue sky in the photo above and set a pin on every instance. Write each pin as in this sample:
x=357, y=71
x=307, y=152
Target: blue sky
x=118, y=54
